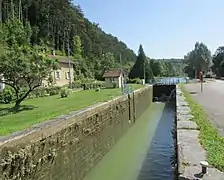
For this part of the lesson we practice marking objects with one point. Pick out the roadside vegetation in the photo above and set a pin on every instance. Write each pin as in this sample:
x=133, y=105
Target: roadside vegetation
x=210, y=139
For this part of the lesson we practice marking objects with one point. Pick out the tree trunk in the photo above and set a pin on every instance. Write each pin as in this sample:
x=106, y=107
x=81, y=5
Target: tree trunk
x=19, y=100
x=17, y=104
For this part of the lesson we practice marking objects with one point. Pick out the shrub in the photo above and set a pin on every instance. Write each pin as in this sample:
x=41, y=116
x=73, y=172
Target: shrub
x=7, y=95
x=39, y=92
x=53, y=90
x=134, y=81
x=77, y=84
x=64, y=92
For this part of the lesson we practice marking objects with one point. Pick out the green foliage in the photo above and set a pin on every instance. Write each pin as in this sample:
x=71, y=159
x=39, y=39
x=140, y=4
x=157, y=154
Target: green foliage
x=134, y=81
x=17, y=34
x=141, y=68
x=212, y=142
x=7, y=95
x=53, y=23
x=165, y=68
x=53, y=90
x=64, y=92
x=38, y=92
x=46, y=108
x=199, y=59
x=218, y=62
x=77, y=47
x=23, y=67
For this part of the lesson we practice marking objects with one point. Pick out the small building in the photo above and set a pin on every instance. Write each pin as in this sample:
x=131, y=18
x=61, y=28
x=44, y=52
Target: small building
x=113, y=78
x=61, y=76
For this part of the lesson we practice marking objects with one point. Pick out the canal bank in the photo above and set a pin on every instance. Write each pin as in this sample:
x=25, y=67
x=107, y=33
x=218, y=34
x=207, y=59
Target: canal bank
x=145, y=152
x=190, y=151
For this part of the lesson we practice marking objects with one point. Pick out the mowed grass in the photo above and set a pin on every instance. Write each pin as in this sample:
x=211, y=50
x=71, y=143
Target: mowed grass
x=34, y=111
x=210, y=139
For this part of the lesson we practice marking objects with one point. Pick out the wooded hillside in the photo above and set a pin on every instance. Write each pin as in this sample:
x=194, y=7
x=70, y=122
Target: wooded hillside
x=54, y=21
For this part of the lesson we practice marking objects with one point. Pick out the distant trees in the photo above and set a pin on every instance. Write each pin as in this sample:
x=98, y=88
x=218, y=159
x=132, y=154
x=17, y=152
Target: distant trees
x=163, y=68
x=141, y=68
x=218, y=62
x=199, y=59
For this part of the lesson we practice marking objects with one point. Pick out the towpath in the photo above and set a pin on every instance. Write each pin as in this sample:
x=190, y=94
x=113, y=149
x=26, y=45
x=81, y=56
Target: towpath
x=211, y=99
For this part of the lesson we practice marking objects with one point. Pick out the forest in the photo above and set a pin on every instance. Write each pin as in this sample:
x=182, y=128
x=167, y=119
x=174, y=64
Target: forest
x=31, y=29
x=200, y=59
x=61, y=25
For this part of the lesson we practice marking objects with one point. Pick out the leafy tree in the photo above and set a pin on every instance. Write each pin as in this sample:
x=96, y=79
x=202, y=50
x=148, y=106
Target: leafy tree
x=53, y=22
x=77, y=47
x=199, y=59
x=218, y=62
x=141, y=68
x=25, y=68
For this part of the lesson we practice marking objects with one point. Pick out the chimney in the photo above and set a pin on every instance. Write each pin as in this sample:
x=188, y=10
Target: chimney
x=53, y=52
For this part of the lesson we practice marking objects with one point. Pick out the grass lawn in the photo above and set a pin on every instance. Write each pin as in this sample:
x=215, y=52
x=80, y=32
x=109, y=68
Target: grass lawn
x=212, y=142
x=41, y=109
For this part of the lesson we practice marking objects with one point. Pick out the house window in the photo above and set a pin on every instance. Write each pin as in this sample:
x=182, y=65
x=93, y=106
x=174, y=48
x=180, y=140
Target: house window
x=67, y=75
x=58, y=75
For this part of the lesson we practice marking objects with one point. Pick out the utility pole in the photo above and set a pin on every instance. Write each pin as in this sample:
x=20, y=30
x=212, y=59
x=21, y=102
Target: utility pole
x=69, y=63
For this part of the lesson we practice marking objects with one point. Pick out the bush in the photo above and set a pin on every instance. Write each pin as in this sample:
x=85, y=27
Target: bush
x=94, y=85
x=77, y=84
x=134, y=81
x=53, y=90
x=64, y=92
x=39, y=92
x=7, y=95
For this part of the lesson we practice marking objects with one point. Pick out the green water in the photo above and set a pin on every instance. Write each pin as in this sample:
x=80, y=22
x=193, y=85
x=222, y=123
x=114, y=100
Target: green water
x=125, y=159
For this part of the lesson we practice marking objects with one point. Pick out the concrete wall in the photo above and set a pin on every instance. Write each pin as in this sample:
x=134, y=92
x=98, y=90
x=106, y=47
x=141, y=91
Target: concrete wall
x=68, y=149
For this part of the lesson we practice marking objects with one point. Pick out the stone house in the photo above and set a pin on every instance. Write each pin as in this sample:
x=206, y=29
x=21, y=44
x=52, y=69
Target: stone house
x=113, y=78
x=61, y=76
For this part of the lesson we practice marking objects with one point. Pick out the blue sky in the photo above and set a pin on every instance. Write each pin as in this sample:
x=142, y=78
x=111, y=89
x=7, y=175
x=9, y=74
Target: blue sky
x=165, y=28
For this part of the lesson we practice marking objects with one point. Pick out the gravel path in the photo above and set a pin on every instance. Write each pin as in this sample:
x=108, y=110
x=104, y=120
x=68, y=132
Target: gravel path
x=212, y=100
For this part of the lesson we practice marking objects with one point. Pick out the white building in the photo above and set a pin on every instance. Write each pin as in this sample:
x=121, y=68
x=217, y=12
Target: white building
x=114, y=78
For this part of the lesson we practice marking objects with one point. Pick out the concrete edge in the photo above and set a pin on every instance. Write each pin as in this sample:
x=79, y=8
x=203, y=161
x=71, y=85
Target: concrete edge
x=185, y=168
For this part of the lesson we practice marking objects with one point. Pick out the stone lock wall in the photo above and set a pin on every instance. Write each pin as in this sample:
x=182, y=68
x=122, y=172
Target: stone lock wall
x=70, y=148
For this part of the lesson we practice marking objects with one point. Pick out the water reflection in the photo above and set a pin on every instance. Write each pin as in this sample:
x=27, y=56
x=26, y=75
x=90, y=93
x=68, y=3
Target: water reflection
x=160, y=160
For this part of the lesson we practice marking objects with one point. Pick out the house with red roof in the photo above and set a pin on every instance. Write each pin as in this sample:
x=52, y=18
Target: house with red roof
x=113, y=78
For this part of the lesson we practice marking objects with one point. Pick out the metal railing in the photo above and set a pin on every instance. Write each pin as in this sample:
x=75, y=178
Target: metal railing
x=168, y=81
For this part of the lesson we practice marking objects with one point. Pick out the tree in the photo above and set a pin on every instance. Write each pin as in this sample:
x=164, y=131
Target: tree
x=77, y=47
x=141, y=68
x=218, y=62
x=199, y=59
x=24, y=69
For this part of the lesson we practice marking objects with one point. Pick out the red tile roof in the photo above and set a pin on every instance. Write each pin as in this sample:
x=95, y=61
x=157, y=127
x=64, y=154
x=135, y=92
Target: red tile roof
x=112, y=73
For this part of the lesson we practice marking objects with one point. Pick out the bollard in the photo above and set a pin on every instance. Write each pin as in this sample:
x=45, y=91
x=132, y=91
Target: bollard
x=204, y=166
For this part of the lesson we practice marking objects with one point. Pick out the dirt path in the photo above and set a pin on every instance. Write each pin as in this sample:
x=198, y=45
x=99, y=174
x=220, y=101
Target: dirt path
x=212, y=100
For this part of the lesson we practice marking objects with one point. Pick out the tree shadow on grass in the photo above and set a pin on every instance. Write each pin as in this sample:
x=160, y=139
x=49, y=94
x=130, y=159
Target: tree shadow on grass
x=12, y=110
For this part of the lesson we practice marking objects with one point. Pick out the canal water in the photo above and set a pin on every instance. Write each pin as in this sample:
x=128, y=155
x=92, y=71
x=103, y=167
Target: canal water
x=145, y=152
